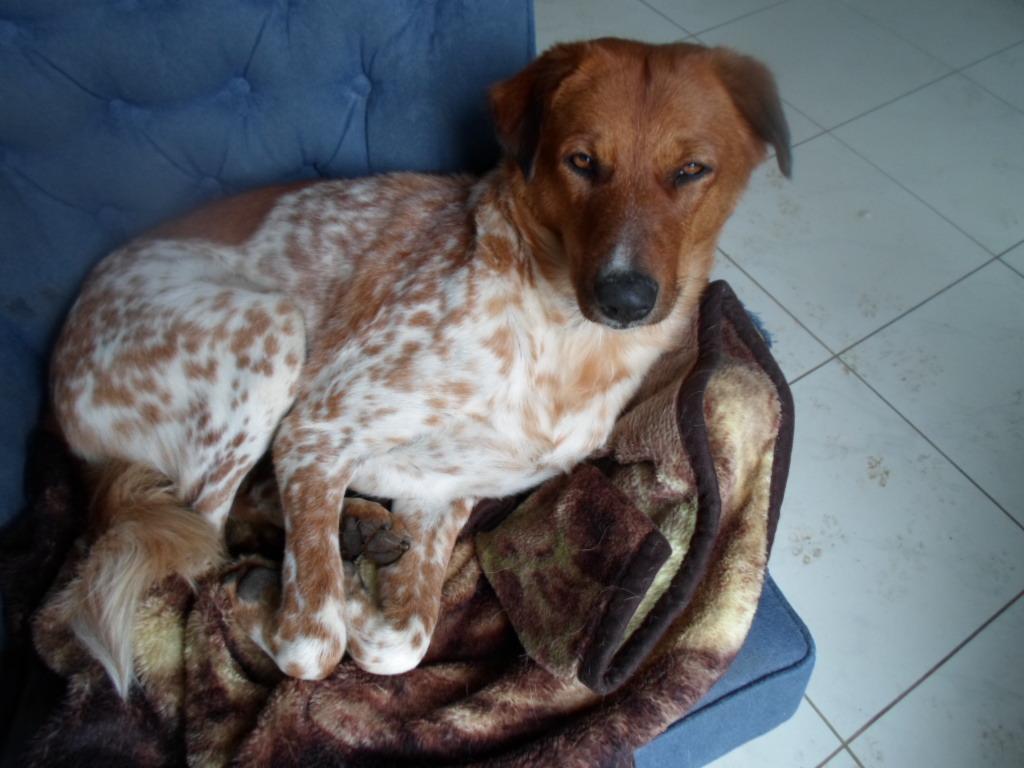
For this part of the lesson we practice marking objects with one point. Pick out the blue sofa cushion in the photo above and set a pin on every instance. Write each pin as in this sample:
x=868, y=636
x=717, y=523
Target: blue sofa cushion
x=22, y=385
x=761, y=689
x=120, y=114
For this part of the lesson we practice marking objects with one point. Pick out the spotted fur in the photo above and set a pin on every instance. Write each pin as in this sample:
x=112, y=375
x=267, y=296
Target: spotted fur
x=431, y=340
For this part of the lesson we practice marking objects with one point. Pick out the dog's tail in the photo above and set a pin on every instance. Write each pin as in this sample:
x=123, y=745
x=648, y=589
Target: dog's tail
x=145, y=534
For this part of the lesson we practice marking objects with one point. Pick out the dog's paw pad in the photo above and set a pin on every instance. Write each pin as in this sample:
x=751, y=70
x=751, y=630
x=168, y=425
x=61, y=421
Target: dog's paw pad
x=257, y=585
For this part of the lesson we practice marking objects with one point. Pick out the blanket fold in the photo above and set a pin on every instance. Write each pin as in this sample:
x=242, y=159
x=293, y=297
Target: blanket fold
x=578, y=621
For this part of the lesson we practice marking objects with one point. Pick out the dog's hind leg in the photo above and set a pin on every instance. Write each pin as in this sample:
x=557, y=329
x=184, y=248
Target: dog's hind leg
x=171, y=385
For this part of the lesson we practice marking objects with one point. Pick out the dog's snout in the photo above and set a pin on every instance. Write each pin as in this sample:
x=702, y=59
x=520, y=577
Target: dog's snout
x=626, y=297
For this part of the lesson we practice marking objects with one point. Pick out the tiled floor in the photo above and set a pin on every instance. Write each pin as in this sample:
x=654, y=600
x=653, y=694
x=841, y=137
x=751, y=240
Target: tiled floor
x=891, y=273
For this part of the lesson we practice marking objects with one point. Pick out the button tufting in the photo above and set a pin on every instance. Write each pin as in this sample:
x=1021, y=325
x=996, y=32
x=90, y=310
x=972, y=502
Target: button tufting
x=124, y=111
x=119, y=108
x=209, y=184
x=239, y=86
x=361, y=85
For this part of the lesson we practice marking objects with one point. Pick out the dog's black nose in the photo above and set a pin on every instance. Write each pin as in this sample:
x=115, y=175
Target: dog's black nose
x=626, y=297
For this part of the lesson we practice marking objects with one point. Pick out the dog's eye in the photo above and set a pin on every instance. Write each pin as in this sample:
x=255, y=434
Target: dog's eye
x=691, y=172
x=582, y=163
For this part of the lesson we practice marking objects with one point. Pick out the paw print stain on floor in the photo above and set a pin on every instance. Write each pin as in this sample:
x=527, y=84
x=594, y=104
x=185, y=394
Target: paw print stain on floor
x=921, y=371
x=877, y=471
x=999, y=742
x=811, y=546
x=868, y=306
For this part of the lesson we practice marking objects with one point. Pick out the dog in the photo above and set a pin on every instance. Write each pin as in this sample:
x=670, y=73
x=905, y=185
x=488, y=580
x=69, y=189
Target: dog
x=432, y=340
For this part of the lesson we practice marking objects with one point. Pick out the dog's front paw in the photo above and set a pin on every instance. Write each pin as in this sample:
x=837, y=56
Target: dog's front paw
x=366, y=532
x=383, y=646
x=305, y=644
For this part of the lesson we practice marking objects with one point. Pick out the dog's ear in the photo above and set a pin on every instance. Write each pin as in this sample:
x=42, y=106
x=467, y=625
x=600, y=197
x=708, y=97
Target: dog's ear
x=754, y=93
x=518, y=104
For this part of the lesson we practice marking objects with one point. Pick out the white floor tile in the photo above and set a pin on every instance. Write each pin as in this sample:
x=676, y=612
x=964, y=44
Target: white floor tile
x=970, y=712
x=801, y=127
x=559, y=21
x=699, y=15
x=955, y=369
x=803, y=741
x=958, y=32
x=841, y=760
x=831, y=62
x=1015, y=258
x=959, y=148
x=841, y=246
x=1003, y=74
x=794, y=348
x=888, y=553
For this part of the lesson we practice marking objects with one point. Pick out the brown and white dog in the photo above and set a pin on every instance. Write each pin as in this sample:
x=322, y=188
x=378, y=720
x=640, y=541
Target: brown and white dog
x=431, y=340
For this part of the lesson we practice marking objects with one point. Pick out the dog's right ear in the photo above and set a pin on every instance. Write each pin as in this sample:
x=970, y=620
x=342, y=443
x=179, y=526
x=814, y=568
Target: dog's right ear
x=518, y=104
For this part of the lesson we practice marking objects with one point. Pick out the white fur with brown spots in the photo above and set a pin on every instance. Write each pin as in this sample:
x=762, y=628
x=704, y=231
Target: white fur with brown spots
x=418, y=338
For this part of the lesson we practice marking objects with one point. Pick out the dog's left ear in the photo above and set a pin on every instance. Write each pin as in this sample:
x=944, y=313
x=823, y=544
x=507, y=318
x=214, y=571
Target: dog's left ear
x=755, y=94
x=518, y=104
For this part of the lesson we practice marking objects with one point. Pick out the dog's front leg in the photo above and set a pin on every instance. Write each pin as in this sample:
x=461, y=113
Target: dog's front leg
x=306, y=633
x=389, y=632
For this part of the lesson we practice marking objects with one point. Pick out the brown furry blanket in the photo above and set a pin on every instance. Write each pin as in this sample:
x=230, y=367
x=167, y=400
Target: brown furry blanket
x=578, y=621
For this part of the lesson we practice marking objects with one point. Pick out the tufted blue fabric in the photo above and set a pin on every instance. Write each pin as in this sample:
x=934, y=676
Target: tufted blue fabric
x=115, y=115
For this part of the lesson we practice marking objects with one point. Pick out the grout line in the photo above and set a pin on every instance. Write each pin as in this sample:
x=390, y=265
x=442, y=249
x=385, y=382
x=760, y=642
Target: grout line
x=843, y=743
x=893, y=100
x=827, y=722
x=931, y=671
x=669, y=19
x=853, y=756
x=963, y=71
x=1010, y=248
x=956, y=69
x=991, y=93
x=917, y=306
x=988, y=56
x=911, y=192
x=898, y=35
x=829, y=757
x=935, y=446
x=746, y=15
x=818, y=367
x=1002, y=258
x=1007, y=264
x=768, y=293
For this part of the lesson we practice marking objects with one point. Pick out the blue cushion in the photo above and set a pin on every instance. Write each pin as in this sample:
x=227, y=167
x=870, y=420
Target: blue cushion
x=22, y=385
x=762, y=689
x=120, y=114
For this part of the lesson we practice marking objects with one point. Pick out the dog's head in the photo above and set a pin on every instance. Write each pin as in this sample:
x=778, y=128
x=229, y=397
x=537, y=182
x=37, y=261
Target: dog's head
x=631, y=158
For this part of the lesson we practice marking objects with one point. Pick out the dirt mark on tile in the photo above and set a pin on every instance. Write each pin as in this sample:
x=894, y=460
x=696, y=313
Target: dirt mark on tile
x=877, y=471
x=810, y=546
x=868, y=306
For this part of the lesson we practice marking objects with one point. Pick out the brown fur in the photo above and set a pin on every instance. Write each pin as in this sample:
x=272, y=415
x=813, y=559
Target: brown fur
x=630, y=106
x=231, y=221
